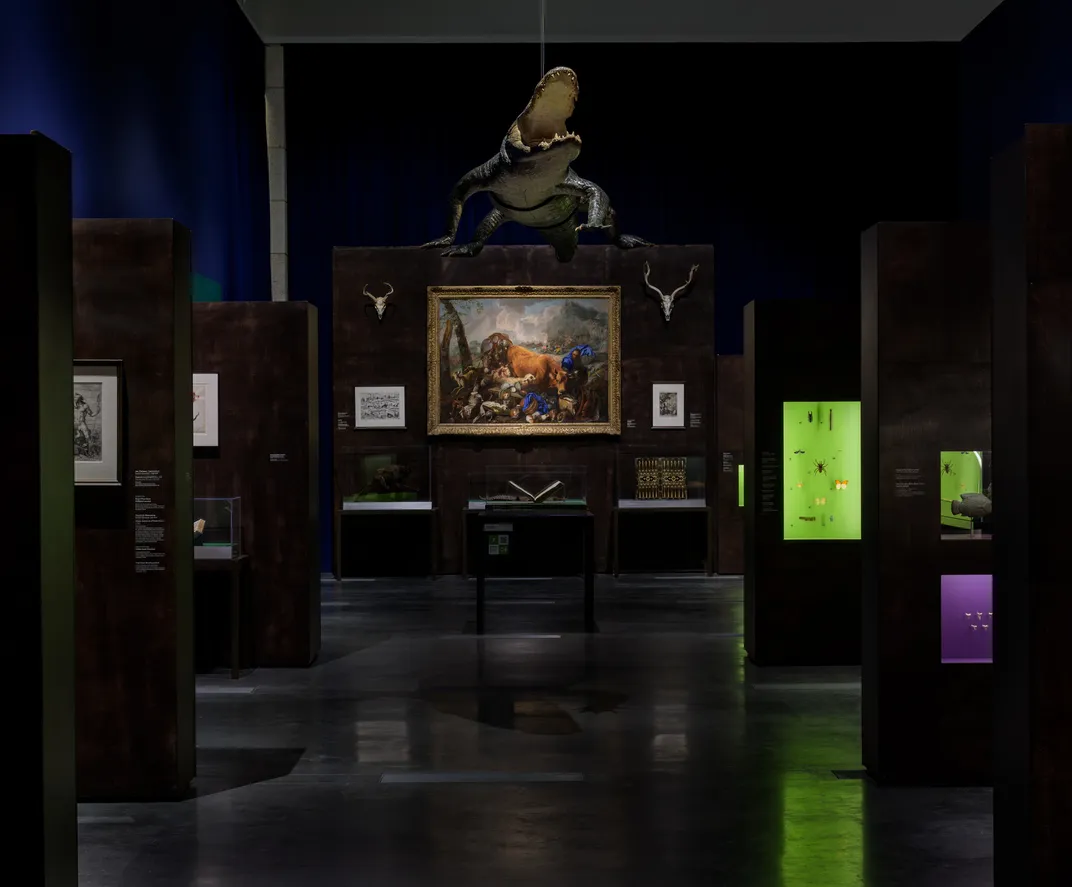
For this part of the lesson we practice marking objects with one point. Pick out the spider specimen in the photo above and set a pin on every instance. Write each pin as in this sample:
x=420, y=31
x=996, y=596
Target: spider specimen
x=947, y=467
x=820, y=466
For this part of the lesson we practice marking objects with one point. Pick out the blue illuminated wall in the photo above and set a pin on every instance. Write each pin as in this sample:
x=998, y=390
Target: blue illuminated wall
x=162, y=106
x=1015, y=68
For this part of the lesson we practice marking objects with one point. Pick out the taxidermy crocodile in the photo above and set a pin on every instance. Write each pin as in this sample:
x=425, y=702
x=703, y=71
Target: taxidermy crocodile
x=530, y=180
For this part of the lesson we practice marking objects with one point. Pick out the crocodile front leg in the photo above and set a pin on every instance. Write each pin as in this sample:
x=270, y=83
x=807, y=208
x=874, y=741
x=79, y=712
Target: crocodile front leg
x=478, y=179
x=484, y=230
x=601, y=215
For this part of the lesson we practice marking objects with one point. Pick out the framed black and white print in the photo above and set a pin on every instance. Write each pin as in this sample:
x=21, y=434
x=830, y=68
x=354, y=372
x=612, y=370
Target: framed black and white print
x=98, y=422
x=668, y=405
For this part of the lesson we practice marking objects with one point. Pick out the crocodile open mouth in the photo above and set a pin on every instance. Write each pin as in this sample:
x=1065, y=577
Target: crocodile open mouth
x=542, y=125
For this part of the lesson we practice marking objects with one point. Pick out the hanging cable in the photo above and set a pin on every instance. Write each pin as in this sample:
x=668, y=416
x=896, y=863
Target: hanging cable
x=543, y=30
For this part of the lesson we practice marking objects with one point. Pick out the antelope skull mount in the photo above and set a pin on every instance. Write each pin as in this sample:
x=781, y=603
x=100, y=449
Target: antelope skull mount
x=379, y=301
x=667, y=301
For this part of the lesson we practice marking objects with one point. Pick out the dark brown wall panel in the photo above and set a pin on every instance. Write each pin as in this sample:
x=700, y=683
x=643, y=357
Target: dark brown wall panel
x=134, y=614
x=38, y=479
x=729, y=453
x=1032, y=298
x=802, y=598
x=265, y=356
x=393, y=352
x=926, y=388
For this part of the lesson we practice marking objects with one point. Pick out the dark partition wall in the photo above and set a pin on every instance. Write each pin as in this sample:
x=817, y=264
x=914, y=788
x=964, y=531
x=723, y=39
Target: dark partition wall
x=368, y=351
x=1032, y=283
x=927, y=678
x=265, y=357
x=728, y=473
x=802, y=513
x=134, y=540
x=38, y=539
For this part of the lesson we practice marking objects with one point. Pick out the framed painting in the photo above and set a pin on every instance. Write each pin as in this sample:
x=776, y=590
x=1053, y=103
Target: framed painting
x=98, y=422
x=206, y=409
x=524, y=360
x=668, y=405
x=380, y=406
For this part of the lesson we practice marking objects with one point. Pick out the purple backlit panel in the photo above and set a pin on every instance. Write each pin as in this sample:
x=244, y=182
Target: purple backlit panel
x=967, y=618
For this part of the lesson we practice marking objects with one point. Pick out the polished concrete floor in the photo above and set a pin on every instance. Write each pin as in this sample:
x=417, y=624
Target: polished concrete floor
x=413, y=753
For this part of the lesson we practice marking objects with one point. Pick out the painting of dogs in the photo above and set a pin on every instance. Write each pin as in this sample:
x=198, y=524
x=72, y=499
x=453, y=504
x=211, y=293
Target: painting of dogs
x=524, y=360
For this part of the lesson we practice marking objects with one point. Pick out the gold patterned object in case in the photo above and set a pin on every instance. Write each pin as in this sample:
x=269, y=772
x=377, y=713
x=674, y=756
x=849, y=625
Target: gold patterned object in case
x=673, y=478
x=661, y=477
x=647, y=478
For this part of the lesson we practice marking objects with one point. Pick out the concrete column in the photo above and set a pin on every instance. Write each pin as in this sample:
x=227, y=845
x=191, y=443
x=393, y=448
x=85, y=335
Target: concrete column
x=275, y=122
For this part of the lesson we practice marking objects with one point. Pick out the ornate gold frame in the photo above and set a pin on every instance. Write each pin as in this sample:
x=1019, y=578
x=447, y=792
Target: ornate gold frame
x=612, y=426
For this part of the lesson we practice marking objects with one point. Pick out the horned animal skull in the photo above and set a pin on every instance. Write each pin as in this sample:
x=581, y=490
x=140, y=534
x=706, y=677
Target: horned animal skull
x=379, y=301
x=667, y=301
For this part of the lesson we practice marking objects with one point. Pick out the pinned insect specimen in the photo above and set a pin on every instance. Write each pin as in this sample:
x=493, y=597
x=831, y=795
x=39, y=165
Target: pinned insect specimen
x=820, y=466
x=841, y=484
x=975, y=627
x=809, y=415
x=798, y=452
x=947, y=467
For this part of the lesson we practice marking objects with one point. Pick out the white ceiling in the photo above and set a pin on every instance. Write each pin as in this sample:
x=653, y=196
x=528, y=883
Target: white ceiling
x=614, y=21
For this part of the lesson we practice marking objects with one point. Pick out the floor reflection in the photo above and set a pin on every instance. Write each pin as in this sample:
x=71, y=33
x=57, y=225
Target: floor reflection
x=644, y=755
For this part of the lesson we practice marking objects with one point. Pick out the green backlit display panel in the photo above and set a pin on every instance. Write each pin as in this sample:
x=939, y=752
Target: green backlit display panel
x=965, y=490
x=821, y=447
x=740, y=486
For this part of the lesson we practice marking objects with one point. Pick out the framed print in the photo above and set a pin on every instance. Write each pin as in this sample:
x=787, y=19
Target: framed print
x=668, y=405
x=206, y=409
x=98, y=422
x=380, y=406
x=525, y=360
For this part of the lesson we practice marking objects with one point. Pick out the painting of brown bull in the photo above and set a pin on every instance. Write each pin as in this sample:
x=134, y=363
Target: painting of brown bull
x=546, y=371
x=495, y=360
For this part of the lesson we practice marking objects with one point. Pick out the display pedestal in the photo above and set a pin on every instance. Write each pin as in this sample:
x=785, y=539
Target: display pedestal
x=385, y=541
x=237, y=572
x=1032, y=282
x=38, y=480
x=926, y=399
x=134, y=541
x=516, y=542
x=802, y=595
x=265, y=357
x=727, y=465
x=671, y=537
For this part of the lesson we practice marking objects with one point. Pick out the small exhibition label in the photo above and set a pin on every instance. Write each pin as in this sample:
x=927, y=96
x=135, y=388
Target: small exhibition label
x=695, y=420
x=630, y=423
x=727, y=463
x=498, y=528
x=342, y=421
x=147, y=478
x=277, y=457
x=768, y=482
x=148, y=529
x=908, y=483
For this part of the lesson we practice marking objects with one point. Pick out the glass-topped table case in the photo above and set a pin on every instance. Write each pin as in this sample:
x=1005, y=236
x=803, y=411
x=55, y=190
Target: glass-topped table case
x=218, y=528
x=386, y=478
x=658, y=477
x=540, y=486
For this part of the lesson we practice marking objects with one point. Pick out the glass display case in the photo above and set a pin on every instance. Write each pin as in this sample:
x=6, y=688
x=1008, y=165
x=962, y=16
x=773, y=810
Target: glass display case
x=968, y=618
x=386, y=478
x=821, y=470
x=651, y=477
x=964, y=481
x=217, y=528
x=537, y=486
